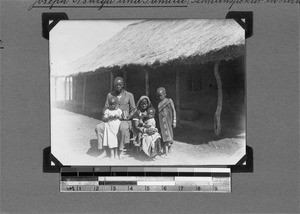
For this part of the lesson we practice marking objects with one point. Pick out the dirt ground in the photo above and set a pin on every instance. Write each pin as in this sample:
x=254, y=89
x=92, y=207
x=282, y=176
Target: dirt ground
x=74, y=142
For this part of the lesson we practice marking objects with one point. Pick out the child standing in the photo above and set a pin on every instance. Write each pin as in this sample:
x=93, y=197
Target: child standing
x=112, y=123
x=167, y=119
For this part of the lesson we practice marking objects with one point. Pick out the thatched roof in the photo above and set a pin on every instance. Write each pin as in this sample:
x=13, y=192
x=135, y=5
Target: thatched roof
x=158, y=42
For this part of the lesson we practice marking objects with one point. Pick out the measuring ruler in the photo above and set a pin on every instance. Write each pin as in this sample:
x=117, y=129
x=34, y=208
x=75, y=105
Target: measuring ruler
x=217, y=180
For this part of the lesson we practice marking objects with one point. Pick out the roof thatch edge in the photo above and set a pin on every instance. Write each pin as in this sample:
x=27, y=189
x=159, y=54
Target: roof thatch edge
x=226, y=53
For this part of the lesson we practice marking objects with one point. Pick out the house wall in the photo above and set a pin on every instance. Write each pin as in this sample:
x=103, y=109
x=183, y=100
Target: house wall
x=78, y=90
x=97, y=87
x=162, y=77
x=197, y=87
x=191, y=102
x=57, y=89
x=201, y=100
x=136, y=82
x=234, y=86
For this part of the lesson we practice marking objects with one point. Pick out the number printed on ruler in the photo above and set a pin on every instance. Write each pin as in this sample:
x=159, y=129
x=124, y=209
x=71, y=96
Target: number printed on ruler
x=190, y=188
x=150, y=184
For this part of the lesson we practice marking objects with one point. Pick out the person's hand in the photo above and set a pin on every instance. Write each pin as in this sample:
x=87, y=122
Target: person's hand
x=112, y=117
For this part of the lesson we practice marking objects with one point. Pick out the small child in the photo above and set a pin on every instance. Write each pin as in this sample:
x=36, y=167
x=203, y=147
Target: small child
x=148, y=141
x=148, y=120
x=167, y=119
x=112, y=123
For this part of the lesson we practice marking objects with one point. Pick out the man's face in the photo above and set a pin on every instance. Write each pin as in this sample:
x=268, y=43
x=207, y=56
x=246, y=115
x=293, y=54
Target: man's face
x=144, y=104
x=119, y=86
x=161, y=94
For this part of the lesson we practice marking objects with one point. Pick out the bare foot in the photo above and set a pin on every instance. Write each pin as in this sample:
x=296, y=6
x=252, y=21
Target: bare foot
x=165, y=156
x=158, y=157
x=103, y=155
x=121, y=155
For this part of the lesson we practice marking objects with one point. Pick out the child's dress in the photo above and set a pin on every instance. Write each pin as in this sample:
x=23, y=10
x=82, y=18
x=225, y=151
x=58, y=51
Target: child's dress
x=111, y=128
x=148, y=141
x=166, y=117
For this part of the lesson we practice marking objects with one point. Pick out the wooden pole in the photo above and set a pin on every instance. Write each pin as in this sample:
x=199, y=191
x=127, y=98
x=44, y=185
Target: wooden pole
x=68, y=91
x=65, y=91
x=217, y=118
x=111, y=81
x=125, y=77
x=70, y=98
x=55, y=89
x=66, y=81
x=74, y=90
x=83, y=92
x=147, y=82
x=177, y=96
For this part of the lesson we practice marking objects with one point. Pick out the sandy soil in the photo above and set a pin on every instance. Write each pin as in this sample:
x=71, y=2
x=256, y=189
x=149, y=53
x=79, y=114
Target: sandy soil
x=74, y=142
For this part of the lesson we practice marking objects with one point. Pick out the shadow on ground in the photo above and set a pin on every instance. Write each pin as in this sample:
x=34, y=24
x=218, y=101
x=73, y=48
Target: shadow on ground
x=130, y=151
x=201, y=132
x=93, y=150
x=195, y=132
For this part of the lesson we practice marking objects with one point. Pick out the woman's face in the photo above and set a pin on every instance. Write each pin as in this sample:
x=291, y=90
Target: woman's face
x=143, y=104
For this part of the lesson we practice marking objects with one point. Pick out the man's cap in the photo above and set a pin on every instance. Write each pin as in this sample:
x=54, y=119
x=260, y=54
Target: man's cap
x=118, y=80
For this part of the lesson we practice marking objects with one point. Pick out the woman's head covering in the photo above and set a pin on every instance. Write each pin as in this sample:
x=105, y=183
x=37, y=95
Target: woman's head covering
x=141, y=98
x=136, y=112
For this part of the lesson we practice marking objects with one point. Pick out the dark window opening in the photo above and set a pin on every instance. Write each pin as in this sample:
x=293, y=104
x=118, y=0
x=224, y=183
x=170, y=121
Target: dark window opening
x=194, y=82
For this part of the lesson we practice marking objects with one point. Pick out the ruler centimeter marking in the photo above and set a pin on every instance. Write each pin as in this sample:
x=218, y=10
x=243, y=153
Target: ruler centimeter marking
x=207, y=180
x=161, y=184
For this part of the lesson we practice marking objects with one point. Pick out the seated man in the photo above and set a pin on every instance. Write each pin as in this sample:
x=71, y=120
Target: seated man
x=127, y=105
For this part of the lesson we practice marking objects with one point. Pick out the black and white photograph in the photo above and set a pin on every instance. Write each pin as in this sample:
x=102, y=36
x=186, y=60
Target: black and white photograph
x=149, y=108
x=155, y=92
